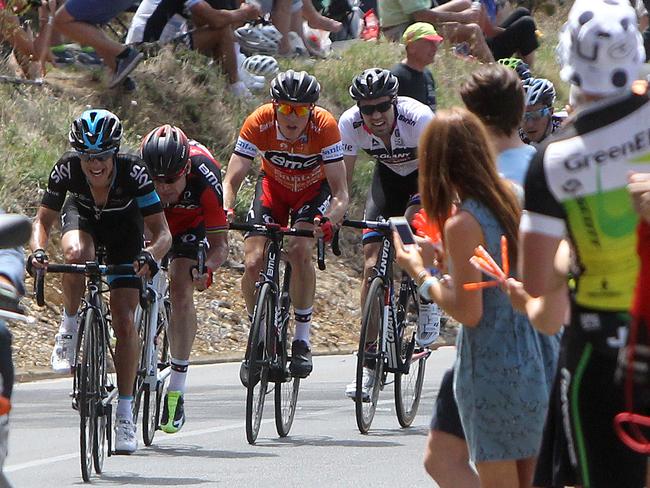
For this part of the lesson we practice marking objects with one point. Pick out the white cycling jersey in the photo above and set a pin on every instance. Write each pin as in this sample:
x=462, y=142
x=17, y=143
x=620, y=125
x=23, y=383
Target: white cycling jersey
x=411, y=118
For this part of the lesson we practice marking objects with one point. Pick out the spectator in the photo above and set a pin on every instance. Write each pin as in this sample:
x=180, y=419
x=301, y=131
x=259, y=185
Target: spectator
x=80, y=20
x=515, y=35
x=158, y=20
x=497, y=346
x=457, y=21
x=30, y=53
x=421, y=42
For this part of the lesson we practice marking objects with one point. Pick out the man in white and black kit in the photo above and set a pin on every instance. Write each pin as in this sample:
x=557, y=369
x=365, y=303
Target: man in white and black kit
x=388, y=128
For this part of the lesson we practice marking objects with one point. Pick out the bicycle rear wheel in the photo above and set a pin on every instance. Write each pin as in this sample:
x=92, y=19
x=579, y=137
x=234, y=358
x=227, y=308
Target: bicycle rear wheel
x=258, y=360
x=87, y=403
x=153, y=398
x=286, y=391
x=369, y=355
x=408, y=387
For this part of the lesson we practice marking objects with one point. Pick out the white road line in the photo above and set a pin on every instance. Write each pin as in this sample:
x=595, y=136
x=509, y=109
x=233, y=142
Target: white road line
x=181, y=435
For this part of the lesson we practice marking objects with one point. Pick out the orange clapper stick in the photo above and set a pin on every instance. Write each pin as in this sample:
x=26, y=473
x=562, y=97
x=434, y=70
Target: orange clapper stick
x=480, y=285
x=481, y=252
x=483, y=266
x=505, y=260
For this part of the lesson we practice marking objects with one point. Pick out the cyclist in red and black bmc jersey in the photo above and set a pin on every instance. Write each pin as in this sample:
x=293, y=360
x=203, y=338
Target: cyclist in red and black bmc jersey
x=111, y=199
x=576, y=188
x=303, y=176
x=188, y=181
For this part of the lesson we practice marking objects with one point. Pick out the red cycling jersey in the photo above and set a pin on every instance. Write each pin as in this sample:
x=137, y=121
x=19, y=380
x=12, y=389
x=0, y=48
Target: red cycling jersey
x=201, y=201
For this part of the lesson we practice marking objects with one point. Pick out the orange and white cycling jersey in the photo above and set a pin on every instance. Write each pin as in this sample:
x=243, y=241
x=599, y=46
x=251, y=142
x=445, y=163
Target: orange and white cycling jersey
x=295, y=165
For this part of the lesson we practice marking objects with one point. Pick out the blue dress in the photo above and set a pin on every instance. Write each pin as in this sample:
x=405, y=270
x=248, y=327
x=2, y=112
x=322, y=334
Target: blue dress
x=503, y=371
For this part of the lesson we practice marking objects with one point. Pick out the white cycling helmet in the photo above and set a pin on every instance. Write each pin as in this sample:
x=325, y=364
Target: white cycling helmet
x=256, y=40
x=261, y=65
x=600, y=49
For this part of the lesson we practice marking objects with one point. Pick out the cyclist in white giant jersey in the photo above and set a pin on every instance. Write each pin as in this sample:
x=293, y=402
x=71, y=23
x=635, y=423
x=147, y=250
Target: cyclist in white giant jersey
x=386, y=127
x=577, y=187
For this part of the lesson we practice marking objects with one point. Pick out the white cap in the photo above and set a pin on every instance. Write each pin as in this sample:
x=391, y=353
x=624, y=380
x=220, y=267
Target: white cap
x=600, y=49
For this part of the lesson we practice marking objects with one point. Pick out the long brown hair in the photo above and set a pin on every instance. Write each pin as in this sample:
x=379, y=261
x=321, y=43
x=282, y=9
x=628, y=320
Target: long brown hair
x=457, y=161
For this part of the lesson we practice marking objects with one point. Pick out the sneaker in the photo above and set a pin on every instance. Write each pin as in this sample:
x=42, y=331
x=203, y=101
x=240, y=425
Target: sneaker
x=126, y=62
x=125, y=440
x=428, y=324
x=301, y=364
x=173, y=416
x=239, y=89
x=62, y=56
x=63, y=354
x=367, y=383
x=129, y=84
x=89, y=58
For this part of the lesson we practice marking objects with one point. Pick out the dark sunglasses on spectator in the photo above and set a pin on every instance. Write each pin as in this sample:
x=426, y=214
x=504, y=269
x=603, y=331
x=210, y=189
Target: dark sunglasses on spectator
x=100, y=156
x=537, y=114
x=379, y=107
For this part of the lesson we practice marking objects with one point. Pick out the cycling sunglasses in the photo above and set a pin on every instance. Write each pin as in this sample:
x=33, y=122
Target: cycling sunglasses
x=100, y=156
x=299, y=110
x=537, y=114
x=170, y=180
x=379, y=107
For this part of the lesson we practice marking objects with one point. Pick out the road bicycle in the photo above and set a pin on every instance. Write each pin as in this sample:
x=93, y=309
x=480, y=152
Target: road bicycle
x=268, y=353
x=94, y=383
x=152, y=318
x=387, y=344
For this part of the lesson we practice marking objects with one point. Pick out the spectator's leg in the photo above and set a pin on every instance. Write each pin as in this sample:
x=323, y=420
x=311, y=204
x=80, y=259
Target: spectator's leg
x=519, y=37
x=281, y=18
x=318, y=21
x=23, y=46
x=446, y=460
x=454, y=6
x=515, y=15
x=220, y=45
x=88, y=35
x=471, y=34
x=6, y=361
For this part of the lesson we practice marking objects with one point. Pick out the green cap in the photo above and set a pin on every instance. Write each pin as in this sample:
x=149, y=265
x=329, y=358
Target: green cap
x=420, y=30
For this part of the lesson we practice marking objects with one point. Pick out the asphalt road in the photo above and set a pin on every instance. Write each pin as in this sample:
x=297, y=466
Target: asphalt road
x=324, y=448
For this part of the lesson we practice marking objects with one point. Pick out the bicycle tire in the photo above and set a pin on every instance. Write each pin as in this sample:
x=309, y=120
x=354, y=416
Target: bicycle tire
x=408, y=387
x=258, y=359
x=373, y=312
x=286, y=391
x=139, y=384
x=101, y=421
x=153, y=399
x=87, y=396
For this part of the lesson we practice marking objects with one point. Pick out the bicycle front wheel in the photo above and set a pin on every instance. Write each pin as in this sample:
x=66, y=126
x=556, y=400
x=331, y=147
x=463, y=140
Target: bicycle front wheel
x=153, y=398
x=408, y=386
x=104, y=386
x=370, y=359
x=258, y=360
x=88, y=394
x=286, y=390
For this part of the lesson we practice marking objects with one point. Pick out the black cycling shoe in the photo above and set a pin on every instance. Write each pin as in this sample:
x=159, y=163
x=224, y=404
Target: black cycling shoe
x=301, y=364
x=243, y=369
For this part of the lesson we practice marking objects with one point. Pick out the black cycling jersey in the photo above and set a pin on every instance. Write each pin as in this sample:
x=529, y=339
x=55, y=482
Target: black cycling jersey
x=132, y=187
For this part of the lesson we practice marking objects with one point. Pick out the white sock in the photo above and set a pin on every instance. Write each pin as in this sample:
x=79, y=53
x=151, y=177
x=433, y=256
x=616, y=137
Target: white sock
x=70, y=323
x=303, y=324
x=124, y=407
x=178, y=375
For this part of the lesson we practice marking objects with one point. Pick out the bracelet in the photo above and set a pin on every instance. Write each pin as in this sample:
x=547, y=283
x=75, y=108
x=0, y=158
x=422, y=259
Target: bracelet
x=424, y=287
x=422, y=275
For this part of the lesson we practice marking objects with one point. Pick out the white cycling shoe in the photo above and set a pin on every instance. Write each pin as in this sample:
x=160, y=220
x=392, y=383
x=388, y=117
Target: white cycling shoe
x=428, y=324
x=125, y=439
x=368, y=382
x=63, y=354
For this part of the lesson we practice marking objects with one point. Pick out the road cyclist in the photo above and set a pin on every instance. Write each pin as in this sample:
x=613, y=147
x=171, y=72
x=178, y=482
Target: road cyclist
x=387, y=127
x=111, y=199
x=302, y=177
x=187, y=179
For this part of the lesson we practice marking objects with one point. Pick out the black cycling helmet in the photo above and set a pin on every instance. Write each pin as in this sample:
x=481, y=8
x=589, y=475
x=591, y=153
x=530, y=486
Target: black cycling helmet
x=96, y=131
x=374, y=83
x=292, y=86
x=166, y=151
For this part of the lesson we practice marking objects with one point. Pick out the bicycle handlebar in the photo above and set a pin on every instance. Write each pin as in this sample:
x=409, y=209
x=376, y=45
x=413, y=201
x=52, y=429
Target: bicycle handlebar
x=89, y=269
x=276, y=229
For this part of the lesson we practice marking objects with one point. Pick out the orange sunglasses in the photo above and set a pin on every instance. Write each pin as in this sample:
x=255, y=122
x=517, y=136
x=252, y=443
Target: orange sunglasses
x=299, y=110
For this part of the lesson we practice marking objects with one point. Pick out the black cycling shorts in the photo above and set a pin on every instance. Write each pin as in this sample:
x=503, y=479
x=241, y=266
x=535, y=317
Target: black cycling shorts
x=186, y=244
x=119, y=232
x=580, y=445
x=389, y=196
x=445, y=412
